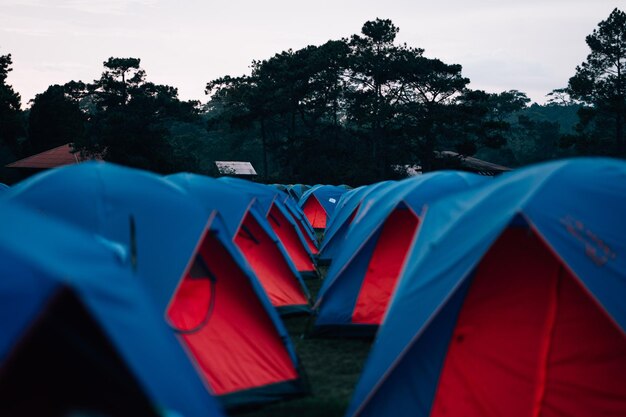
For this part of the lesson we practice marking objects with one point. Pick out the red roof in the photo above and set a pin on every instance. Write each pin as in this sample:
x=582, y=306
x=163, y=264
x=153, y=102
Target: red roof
x=56, y=157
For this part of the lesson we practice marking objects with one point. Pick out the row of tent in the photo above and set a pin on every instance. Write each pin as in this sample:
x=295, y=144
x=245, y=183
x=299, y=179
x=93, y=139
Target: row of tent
x=119, y=284
x=487, y=297
x=317, y=202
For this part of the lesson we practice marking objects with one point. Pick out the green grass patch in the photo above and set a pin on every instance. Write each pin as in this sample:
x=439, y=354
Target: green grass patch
x=333, y=367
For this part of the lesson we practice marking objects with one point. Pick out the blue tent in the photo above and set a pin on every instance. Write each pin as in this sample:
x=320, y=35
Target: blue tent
x=335, y=233
x=512, y=302
x=338, y=223
x=132, y=207
x=175, y=244
x=290, y=202
x=254, y=237
x=79, y=332
x=264, y=194
x=302, y=222
x=281, y=187
x=281, y=220
x=319, y=202
x=297, y=190
x=361, y=279
x=3, y=187
x=227, y=321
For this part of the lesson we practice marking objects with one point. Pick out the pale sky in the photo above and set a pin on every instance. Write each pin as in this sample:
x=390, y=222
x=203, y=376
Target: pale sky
x=529, y=45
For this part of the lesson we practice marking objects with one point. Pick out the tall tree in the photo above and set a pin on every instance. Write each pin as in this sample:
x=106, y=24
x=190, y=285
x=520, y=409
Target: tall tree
x=55, y=118
x=396, y=95
x=484, y=119
x=11, y=122
x=130, y=120
x=600, y=85
x=120, y=77
x=365, y=99
x=287, y=103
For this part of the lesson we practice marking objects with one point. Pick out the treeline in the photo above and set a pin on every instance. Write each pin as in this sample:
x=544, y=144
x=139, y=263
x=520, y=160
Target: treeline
x=353, y=110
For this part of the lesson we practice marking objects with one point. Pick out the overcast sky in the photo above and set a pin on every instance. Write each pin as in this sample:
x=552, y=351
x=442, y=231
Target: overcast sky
x=528, y=45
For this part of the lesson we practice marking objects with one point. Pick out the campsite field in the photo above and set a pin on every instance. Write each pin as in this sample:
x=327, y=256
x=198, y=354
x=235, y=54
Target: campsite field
x=332, y=366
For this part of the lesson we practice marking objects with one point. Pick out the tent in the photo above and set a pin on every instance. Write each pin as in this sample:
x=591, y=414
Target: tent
x=303, y=224
x=254, y=237
x=229, y=325
x=319, y=202
x=361, y=279
x=296, y=190
x=512, y=303
x=344, y=214
x=339, y=223
x=79, y=333
x=176, y=243
x=134, y=208
x=281, y=221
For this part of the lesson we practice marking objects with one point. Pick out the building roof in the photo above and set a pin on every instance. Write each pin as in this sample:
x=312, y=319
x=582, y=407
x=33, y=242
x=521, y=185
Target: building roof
x=475, y=164
x=235, y=168
x=59, y=156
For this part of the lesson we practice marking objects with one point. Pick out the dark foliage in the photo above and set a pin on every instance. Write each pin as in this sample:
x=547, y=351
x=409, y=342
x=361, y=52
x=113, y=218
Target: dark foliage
x=599, y=86
x=351, y=111
x=11, y=119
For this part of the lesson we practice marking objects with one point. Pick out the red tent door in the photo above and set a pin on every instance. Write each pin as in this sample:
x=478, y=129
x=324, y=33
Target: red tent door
x=385, y=266
x=231, y=336
x=269, y=265
x=288, y=236
x=531, y=342
x=307, y=238
x=315, y=213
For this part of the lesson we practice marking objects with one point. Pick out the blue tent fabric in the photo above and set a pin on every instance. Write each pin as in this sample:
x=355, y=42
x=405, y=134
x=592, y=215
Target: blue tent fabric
x=297, y=190
x=215, y=195
x=298, y=215
x=327, y=195
x=3, y=187
x=416, y=193
x=576, y=206
x=218, y=227
x=127, y=206
x=266, y=196
x=281, y=187
x=262, y=394
x=40, y=256
x=232, y=206
x=335, y=233
x=146, y=213
x=345, y=199
x=338, y=224
x=291, y=204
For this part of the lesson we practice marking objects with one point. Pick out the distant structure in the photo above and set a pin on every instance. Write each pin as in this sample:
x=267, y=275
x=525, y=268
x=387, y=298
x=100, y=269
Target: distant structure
x=56, y=157
x=235, y=168
x=465, y=163
x=472, y=164
x=408, y=170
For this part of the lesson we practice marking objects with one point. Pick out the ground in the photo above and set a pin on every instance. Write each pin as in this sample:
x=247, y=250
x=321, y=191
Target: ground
x=333, y=367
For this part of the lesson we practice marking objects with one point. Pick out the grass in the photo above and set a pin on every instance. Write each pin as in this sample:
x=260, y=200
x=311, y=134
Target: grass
x=333, y=367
